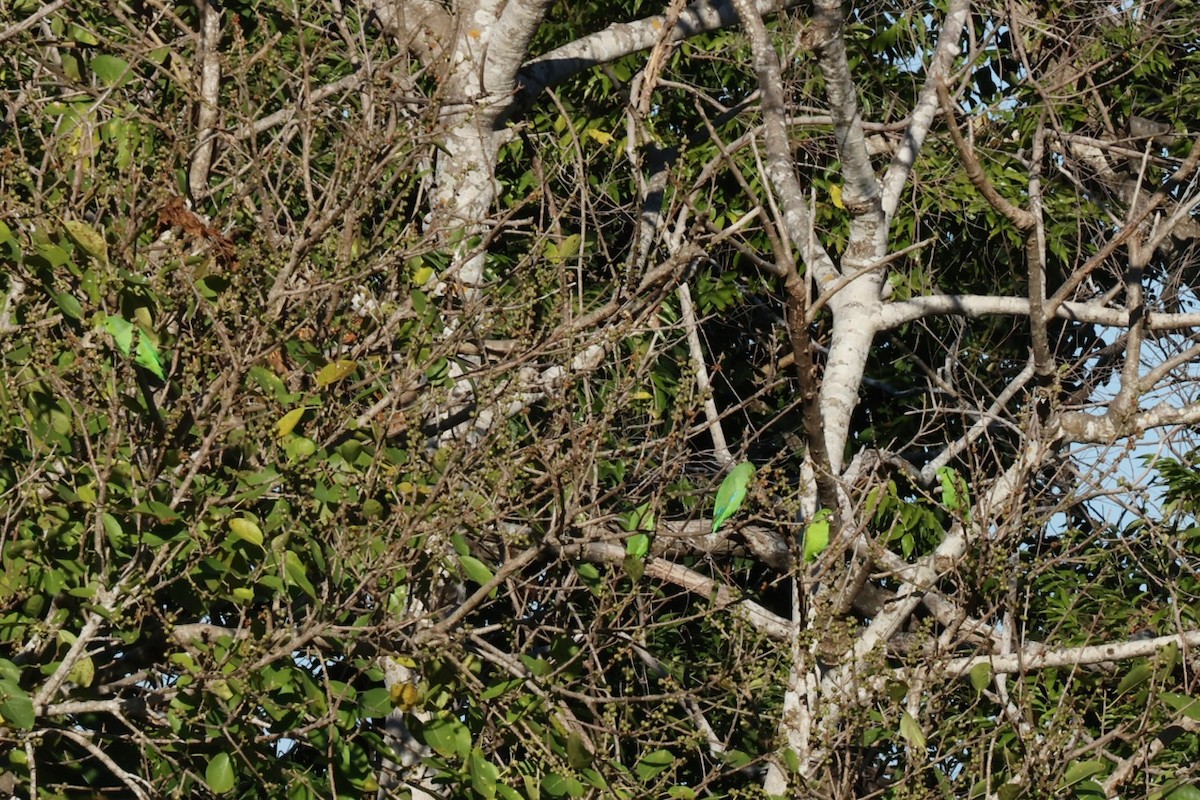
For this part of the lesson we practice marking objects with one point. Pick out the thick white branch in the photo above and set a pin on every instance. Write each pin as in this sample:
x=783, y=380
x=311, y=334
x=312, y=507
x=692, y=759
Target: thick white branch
x=893, y=315
x=862, y=189
x=1041, y=657
x=208, y=110
x=621, y=39
x=780, y=168
x=927, y=104
x=1084, y=428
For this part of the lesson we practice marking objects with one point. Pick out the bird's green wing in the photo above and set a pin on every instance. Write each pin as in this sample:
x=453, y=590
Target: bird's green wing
x=148, y=356
x=731, y=493
x=145, y=355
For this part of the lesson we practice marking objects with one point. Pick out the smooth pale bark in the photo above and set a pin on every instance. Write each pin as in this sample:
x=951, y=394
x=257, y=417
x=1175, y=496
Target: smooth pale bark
x=855, y=305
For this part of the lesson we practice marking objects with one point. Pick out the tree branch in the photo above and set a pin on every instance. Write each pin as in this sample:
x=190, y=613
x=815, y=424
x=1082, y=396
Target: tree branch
x=780, y=167
x=1022, y=219
x=31, y=21
x=621, y=39
x=1037, y=657
x=862, y=191
x=923, y=114
x=722, y=596
x=974, y=306
x=134, y=783
x=208, y=113
x=1081, y=428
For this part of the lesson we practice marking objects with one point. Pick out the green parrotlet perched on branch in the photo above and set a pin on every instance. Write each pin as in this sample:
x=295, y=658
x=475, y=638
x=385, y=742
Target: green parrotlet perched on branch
x=732, y=493
x=146, y=355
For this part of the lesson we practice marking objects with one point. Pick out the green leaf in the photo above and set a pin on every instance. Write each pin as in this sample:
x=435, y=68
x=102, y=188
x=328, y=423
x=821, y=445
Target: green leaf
x=83, y=35
x=296, y=574
x=641, y=519
x=653, y=763
x=1082, y=770
x=1183, y=704
x=421, y=275
x=910, y=729
x=634, y=567
x=557, y=785
x=299, y=448
x=638, y=545
x=83, y=672
x=484, y=775
x=981, y=676
x=732, y=493
x=16, y=707
x=1189, y=792
x=287, y=423
x=219, y=774
x=1139, y=674
x=375, y=703
x=110, y=69
x=69, y=305
x=113, y=529
x=89, y=240
x=476, y=570
x=55, y=256
x=578, y=755
x=448, y=737
x=593, y=778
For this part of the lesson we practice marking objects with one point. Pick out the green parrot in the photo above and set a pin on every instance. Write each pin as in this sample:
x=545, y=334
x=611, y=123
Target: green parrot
x=732, y=493
x=146, y=355
x=816, y=536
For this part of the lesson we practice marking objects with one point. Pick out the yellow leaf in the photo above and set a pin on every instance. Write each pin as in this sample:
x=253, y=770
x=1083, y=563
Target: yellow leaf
x=246, y=530
x=88, y=239
x=600, y=136
x=404, y=696
x=83, y=672
x=335, y=371
x=835, y=194
x=287, y=423
x=422, y=276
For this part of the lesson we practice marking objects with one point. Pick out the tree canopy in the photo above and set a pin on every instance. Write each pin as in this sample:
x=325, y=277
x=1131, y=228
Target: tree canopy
x=545, y=399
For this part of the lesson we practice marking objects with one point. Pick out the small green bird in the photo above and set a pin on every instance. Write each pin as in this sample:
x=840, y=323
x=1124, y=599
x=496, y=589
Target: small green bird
x=732, y=493
x=122, y=331
x=816, y=536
